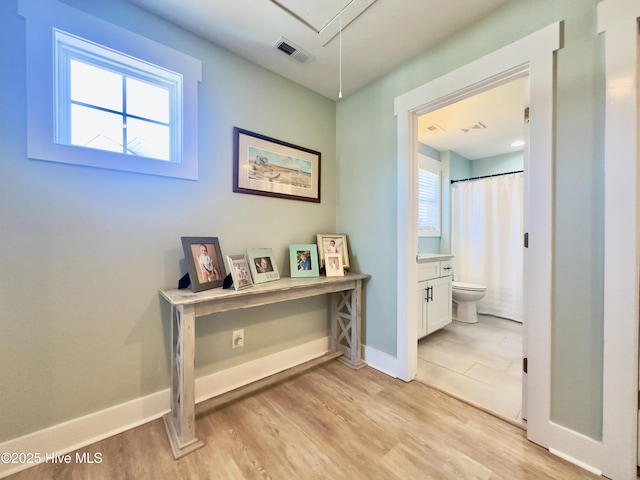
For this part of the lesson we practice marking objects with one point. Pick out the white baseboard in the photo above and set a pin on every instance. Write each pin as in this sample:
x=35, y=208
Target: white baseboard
x=246, y=373
x=80, y=432
x=381, y=361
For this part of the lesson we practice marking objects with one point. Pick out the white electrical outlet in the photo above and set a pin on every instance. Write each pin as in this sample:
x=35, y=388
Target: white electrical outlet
x=237, y=340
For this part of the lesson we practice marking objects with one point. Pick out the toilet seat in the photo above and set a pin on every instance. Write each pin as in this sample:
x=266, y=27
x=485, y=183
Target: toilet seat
x=472, y=287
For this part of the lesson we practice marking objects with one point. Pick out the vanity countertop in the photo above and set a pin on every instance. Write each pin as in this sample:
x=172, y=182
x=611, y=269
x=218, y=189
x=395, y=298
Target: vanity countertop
x=432, y=257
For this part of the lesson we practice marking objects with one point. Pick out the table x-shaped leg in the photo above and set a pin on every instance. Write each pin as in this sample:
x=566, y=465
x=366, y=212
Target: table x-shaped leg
x=345, y=325
x=180, y=422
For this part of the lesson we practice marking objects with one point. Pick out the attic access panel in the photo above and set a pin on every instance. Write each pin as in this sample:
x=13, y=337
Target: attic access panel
x=315, y=14
x=321, y=15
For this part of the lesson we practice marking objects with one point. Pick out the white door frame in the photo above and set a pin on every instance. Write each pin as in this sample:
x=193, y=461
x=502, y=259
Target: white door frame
x=618, y=20
x=532, y=56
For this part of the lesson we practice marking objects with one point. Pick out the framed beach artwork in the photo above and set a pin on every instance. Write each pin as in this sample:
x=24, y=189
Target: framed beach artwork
x=333, y=243
x=303, y=260
x=204, y=262
x=262, y=265
x=273, y=168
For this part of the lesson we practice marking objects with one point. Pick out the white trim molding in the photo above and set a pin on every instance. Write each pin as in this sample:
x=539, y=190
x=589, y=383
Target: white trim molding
x=531, y=56
x=77, y=433
x=618, y=22
x=42, y=120
x=381, y=361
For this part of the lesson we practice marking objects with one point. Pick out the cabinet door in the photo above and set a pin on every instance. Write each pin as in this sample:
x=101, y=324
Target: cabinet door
x=439, y=306
x=421, y=309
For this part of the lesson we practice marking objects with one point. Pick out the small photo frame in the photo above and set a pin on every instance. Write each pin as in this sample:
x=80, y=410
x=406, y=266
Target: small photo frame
x=333, y=265
x=204, y=262
x=239, y=270
x=304, y=260
x=262, y=265
x=333, y=243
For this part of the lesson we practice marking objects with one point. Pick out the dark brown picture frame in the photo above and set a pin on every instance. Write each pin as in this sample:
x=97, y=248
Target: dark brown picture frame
x=200, y=277
x=273, y=168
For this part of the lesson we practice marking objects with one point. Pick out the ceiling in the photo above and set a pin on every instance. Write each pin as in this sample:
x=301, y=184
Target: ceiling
x=378, y=36
x=480, y=126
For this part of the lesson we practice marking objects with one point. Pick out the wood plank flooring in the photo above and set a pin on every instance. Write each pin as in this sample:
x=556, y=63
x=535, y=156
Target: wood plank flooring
x=480, y=363
x=330, y=422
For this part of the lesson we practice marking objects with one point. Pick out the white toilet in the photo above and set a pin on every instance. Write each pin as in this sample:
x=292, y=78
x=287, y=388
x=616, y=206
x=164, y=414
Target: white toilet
x=465, y=295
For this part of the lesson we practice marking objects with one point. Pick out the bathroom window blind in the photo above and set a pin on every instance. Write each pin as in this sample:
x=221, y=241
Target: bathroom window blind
x=428, y=197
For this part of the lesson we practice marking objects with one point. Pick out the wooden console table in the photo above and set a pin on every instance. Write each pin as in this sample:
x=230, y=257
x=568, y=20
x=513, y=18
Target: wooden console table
x=346, y=305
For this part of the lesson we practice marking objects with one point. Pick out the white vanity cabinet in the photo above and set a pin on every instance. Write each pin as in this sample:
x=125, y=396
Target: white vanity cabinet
x=434, y=295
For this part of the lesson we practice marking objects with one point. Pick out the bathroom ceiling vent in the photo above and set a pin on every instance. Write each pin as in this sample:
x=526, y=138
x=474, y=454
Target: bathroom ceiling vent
x=434, y=128
x=475, y=126
x=293, y=51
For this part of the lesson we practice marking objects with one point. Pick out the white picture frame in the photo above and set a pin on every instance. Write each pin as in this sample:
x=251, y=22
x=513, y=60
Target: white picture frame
x=262, y=265
x=333, y=266
x=333, y=243
x=239, y=269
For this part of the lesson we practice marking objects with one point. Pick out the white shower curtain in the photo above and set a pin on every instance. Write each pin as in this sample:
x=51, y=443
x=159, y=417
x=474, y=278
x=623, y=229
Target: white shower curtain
x=486, y=238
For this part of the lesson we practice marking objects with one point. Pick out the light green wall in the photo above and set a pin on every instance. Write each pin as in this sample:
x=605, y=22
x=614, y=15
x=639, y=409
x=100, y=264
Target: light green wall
x=84, y=251
x=429, y=244
x=366, y=158
x=507, y=162
x=429, y=151
x=459, y=166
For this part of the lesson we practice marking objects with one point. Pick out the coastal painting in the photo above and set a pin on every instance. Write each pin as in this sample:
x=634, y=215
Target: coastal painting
x=269, y=167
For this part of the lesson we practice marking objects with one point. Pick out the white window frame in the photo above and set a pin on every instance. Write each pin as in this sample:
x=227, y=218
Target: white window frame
x=68, y=48
x=432, y=166
x=41, y=71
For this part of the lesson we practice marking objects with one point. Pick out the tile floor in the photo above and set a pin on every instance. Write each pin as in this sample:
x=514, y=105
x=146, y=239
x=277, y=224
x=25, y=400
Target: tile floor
x=479, y=363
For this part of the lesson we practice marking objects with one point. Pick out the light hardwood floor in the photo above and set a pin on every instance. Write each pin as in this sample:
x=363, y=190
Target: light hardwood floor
x=330, y=422
x=479, y=363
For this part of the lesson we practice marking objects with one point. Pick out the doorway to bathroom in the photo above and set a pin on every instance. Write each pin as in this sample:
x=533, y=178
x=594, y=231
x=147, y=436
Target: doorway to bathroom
x=480, y=143
x=532, y=57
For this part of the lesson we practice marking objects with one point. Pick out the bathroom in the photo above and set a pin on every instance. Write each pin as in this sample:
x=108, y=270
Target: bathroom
x=481, y=362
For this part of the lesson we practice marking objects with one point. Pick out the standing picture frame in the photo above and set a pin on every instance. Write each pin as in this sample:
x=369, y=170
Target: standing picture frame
x=273, y=168
x=205, y=264
x=303, y=260
x=333, y=243
x=239, y=270
x=333, y=265
x=262, y=265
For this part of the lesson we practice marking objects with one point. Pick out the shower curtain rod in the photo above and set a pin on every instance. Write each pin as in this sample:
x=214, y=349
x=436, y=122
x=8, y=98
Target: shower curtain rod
x=485, y=176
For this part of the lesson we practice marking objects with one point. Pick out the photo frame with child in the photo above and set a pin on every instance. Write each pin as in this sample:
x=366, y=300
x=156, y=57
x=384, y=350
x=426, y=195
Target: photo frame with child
x=239, y=269
x=205, y=263
x=333, y=265
x=333, y=243
x=262, y=265
x=303, y=260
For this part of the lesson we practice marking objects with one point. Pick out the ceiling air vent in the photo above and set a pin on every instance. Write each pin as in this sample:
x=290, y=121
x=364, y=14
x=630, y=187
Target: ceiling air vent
x=475, y=126
x=434, y=128
x=292, y=50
